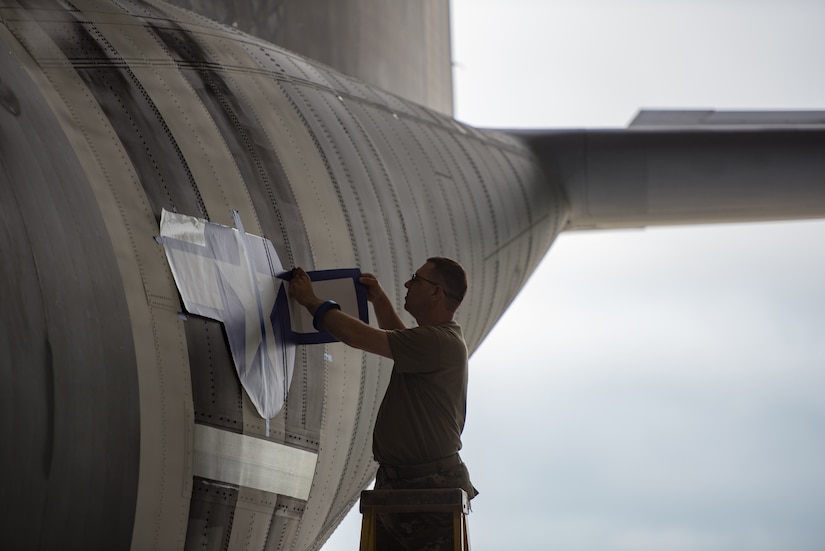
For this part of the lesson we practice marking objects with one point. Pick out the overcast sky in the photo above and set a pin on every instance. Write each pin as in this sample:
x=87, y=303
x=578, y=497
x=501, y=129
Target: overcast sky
x=658, y=389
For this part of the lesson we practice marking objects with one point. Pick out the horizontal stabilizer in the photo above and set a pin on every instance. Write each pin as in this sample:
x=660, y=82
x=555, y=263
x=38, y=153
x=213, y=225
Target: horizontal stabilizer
x=688, y=167
x=692, y=118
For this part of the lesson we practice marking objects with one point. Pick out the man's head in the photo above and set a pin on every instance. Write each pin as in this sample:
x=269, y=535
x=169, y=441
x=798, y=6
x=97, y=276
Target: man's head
x=436, y=289
x=453, y=277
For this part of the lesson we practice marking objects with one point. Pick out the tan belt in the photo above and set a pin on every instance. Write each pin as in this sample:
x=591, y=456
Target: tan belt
x=395, y=472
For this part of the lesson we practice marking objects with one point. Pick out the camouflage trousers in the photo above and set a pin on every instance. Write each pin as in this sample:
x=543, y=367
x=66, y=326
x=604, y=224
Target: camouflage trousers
x=419, y=531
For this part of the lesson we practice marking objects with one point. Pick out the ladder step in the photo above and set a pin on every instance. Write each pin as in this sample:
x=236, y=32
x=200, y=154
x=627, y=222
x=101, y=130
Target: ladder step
x=412, y=501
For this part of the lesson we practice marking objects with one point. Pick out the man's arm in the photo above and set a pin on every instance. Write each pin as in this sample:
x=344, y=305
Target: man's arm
x=347, y=329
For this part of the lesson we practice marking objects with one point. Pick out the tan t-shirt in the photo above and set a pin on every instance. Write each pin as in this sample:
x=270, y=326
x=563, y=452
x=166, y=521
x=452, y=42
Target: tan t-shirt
x=422, y=415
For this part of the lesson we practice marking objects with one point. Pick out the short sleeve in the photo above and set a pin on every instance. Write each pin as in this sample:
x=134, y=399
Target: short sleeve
x=415, y=350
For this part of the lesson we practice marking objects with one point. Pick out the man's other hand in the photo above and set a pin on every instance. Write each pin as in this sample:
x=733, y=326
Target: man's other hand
x=374, y=290
x=300, y=288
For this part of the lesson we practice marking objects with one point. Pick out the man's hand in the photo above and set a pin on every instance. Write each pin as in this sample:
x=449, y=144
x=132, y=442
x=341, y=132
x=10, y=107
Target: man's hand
x=375, y=292
x=300, y=288
x=384, y=310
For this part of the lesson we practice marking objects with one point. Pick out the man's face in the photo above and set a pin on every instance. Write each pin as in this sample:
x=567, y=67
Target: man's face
x=420, y=289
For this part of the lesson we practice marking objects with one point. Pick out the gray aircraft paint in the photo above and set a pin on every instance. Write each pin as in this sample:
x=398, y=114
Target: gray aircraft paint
x=146, y=107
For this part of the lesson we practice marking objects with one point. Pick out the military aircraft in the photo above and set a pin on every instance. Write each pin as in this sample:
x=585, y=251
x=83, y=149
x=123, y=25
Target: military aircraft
x=127, y=423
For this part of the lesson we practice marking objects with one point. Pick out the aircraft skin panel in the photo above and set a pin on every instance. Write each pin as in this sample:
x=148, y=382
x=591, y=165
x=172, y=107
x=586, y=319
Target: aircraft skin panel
x=498, y=257
x=321, y=113
x=216, y=389
x=302, y=164
x=218, y=183
x=308, y=175
x=212, y=509
x=445, y=191
x=135, y=112
x=163, y=160
x=474, y=229
x=154, y=472
x=380, y=158
x=244, y=136
x=70, y=388
x=158, y=342
x=339, y=411
x=152, y=149
x=196, y=138
x=378, y=53
x=482, y=233
x=255, y=155
x=497, y=265
x=518, y=212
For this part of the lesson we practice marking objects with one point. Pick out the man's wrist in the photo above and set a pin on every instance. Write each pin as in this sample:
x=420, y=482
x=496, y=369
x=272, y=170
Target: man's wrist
x=321, y=310
x=312, y=305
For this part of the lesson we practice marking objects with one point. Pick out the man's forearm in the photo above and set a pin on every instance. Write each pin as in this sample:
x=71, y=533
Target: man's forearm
x=351, y=331
x=386, y=315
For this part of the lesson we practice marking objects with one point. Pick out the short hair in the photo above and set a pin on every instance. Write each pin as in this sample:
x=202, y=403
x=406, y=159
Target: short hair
x=454, y=279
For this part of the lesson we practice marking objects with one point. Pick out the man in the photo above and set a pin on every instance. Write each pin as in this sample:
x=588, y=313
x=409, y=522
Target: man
x=418, y=429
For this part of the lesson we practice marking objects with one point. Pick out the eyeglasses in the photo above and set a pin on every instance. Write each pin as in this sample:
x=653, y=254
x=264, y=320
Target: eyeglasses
x=416, y=276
